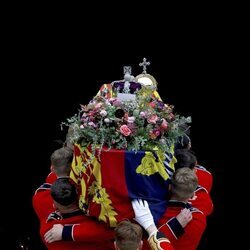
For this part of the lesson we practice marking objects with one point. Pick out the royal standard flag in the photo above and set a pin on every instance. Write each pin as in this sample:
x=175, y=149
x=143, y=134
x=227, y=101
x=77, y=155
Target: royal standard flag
x=110, y=179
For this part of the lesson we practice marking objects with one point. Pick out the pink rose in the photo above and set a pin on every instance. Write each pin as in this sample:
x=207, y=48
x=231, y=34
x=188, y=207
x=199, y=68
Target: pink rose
x=153, y=119
x=152, y=104
x=124, y=129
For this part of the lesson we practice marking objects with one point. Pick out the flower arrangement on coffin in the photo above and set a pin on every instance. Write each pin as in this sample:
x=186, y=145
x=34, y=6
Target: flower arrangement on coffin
x=144, y=123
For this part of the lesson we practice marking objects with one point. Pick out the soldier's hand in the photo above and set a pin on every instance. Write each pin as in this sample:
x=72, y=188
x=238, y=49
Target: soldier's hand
x=54, y=234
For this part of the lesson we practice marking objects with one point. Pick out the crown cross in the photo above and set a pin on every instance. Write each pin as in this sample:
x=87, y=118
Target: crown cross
x=144, y=64
x=127, y=70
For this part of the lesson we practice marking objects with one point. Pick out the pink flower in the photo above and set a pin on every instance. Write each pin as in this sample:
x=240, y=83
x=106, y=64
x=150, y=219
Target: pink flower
x=153, y=119
x=152, y=104
x=91, y=118
x=157, y=132
x=124, y=129
x=154, y=133
x=164, y=124
x=92, y=113
x=132, y=127
x=117, y=103
x=98, y=105
x=171, y=116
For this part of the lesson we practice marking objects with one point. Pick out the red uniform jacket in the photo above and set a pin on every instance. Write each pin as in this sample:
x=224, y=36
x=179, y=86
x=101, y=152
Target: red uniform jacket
x=91, y=232
x=51, y=178
x=78, y=233
x=42, y=201
x=193, y=231
x=97, y=235
x=205, y=178
x=202, y=201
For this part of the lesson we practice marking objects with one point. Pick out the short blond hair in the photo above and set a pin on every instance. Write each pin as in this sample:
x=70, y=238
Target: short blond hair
x=128, y=235
x=184, y=183
x=61, y=160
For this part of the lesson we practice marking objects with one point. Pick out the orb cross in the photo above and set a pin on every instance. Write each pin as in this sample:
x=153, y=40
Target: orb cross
x=144, y=64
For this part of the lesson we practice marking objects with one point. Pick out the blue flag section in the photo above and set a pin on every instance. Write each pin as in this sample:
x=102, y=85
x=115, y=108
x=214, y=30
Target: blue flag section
x=143, y=178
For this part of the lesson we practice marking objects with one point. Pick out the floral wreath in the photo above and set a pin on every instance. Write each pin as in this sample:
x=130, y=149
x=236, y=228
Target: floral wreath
x=145, y=123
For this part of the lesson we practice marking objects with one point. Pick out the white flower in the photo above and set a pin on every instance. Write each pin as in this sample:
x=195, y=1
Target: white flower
x=142, y=114
x=103, y=113
x=92, y=124
x=131, y=119
x=189, y=119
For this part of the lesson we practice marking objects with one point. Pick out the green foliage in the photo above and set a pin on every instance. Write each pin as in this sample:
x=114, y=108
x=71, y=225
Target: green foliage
x=143, y=124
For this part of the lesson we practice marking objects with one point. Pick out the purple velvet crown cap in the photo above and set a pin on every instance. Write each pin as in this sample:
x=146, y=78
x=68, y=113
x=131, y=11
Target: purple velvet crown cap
x=134, y=86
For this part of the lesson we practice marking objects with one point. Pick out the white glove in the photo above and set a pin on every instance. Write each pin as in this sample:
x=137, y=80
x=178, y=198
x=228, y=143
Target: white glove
x=142, y=213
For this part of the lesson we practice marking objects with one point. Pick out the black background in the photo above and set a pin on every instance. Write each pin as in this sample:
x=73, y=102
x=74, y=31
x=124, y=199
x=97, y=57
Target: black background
x=53, y=68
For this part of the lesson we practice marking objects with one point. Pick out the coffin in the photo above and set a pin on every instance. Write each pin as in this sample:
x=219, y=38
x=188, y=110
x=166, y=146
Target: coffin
x=109, y=179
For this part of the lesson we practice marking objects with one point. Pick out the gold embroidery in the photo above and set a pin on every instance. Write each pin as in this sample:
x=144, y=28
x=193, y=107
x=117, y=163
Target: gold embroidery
x=150, y=165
